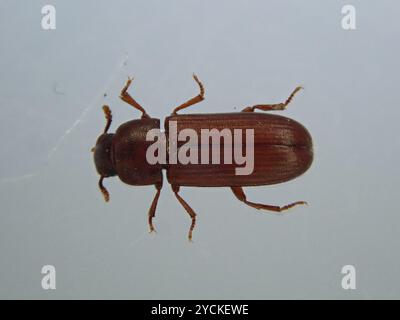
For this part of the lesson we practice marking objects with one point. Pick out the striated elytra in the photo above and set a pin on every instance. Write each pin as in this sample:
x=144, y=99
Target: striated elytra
x=281, y=151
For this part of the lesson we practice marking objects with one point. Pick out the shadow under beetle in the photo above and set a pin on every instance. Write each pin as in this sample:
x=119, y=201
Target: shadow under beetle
x=282, y=151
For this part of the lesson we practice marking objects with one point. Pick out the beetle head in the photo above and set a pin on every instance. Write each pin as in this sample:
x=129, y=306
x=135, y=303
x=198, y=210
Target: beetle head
x=103, y=154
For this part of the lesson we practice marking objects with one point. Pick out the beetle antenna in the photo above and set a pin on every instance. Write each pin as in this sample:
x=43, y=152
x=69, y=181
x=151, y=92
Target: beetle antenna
x=103, y=189
x=108, y=115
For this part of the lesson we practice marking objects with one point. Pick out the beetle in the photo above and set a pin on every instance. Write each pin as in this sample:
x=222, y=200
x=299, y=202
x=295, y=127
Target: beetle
x=283, y=150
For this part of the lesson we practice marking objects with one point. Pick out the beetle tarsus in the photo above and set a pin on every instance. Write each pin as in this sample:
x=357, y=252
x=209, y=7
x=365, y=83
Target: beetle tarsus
x=277, y=106
x=190, y=235
x=239, y=193
x=291, y=205
x=151, y=226
x=126, y=97
x=194, y=100
x=297, y=89
x=152, y=229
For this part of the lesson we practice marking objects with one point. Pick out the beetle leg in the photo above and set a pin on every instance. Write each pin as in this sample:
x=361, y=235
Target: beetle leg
x=239, y=193
x=188, y=209
x=194, y=100
x=125, y=96
x=152, y=210
x=278, y=106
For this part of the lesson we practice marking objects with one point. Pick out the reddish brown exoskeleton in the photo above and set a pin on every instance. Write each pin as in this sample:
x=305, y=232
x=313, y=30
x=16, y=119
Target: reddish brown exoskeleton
x=282, y=151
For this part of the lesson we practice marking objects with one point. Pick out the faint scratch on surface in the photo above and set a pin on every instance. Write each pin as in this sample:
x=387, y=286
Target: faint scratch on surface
x=18, y=179
x=121, y=63
x=69, y=130
x=137, y=240
x=92, y=103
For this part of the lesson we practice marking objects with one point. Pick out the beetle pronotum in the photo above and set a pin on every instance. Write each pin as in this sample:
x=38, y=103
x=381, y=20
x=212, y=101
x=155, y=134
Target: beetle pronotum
x=282, y=151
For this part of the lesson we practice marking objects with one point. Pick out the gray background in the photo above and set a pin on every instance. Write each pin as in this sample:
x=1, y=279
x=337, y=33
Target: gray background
x=245, y=52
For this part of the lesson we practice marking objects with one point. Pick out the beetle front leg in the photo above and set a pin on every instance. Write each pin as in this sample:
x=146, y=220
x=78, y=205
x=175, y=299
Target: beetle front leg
x=277, y=106
x=239, y=193
x=188, y=209
x=196, y=99
x=126, y=97
x=153, y=207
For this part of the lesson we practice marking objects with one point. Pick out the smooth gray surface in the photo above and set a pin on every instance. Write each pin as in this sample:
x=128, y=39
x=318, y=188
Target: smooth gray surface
x=51, y=93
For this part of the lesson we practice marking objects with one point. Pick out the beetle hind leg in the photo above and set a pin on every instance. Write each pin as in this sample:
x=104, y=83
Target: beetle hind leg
x=277, y=106
x=188, y=209
x=126, y=97
x=239, y=193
